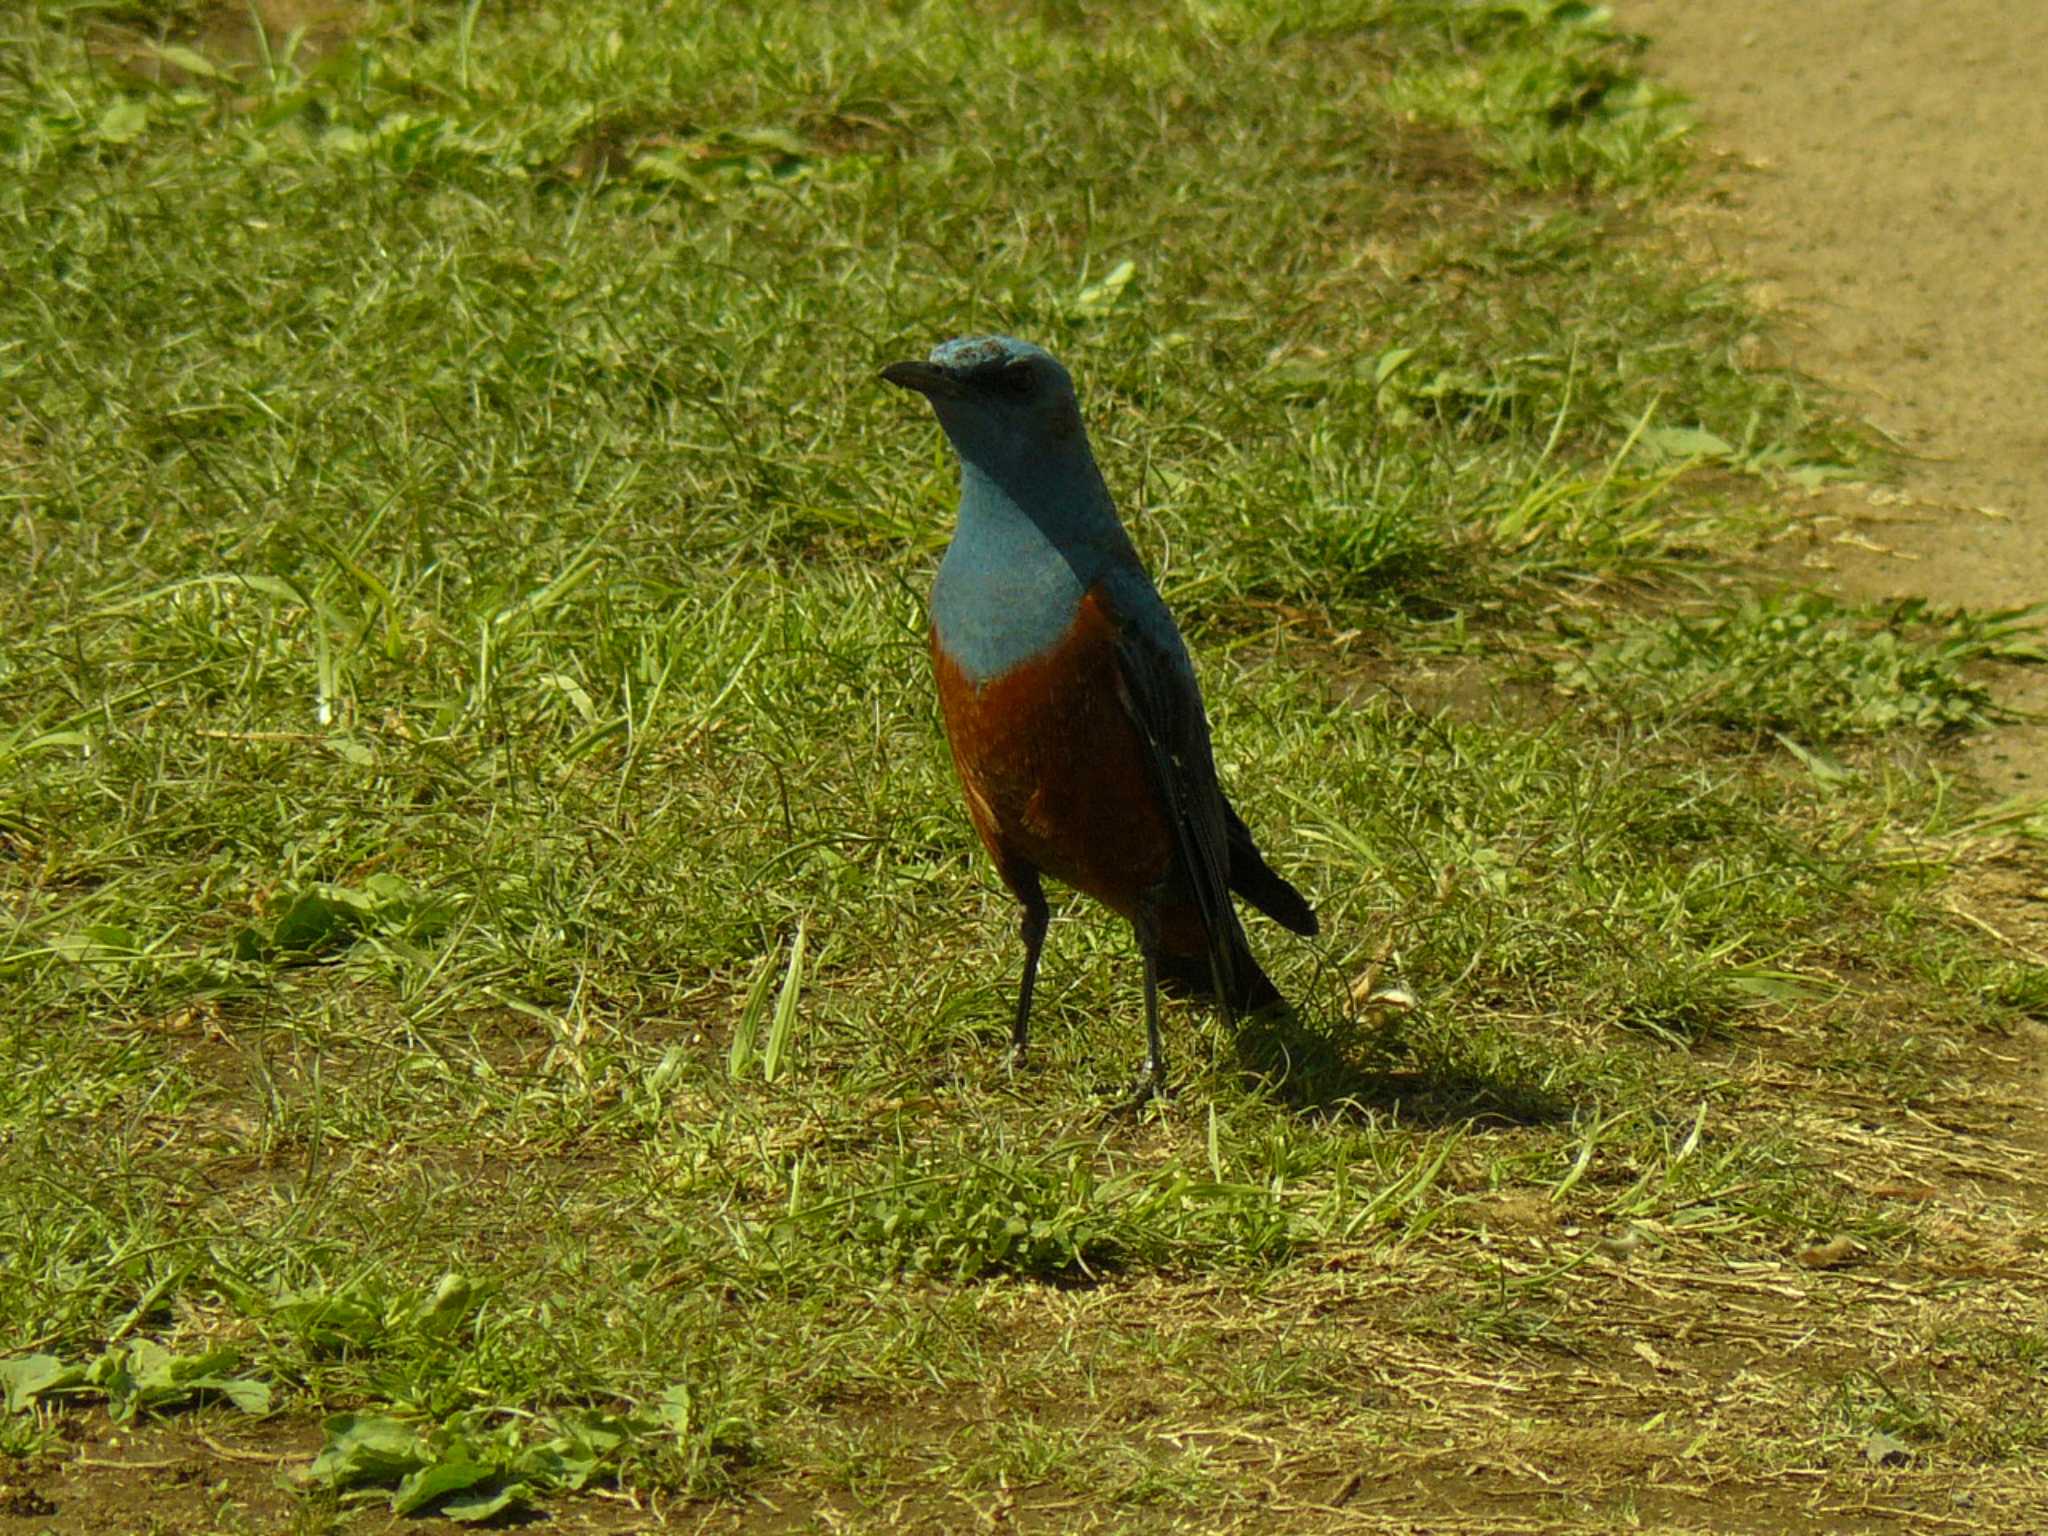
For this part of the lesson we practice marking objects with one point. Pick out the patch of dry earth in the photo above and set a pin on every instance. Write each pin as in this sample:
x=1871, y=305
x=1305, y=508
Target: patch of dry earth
x=1889, y=188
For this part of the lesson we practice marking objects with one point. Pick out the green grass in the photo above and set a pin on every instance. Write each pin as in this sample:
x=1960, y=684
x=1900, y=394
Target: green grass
x=491, y=945
x=1807, y=667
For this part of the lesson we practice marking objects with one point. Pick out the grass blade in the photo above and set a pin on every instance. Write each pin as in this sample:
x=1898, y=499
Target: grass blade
x=785, y=1010
x=749, y=1024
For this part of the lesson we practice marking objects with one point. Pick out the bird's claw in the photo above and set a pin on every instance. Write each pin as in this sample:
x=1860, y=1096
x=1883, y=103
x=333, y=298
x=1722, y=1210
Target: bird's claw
x=1150, y=1089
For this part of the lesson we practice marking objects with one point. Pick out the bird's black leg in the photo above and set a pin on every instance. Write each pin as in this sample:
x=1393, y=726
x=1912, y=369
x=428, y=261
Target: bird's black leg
x=1152, y=1078
x=1031, y=896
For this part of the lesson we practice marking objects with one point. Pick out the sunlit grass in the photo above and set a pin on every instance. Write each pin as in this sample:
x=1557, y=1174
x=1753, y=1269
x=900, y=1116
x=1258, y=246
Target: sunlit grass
x=490, y=940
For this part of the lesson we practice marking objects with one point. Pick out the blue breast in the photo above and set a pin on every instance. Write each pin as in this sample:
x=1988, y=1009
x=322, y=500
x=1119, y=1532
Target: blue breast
x=1005, y=594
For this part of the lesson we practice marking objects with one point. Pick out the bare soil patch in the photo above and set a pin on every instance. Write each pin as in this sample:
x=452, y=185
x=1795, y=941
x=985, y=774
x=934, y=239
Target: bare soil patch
x=1888, y=187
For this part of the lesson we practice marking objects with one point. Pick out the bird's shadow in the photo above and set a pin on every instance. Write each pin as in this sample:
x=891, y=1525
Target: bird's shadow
x=1330, y=1068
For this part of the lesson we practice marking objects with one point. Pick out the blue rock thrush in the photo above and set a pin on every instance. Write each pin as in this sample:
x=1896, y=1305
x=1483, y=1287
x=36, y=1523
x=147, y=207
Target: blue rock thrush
x=1071, y=705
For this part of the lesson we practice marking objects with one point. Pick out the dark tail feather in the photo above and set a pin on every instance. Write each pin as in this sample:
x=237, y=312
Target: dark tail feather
x=1193, y=976
x=1253, y=879
x=1233, y=965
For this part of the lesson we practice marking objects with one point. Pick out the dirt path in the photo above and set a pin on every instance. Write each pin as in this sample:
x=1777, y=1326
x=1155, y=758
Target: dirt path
x=1890, y=185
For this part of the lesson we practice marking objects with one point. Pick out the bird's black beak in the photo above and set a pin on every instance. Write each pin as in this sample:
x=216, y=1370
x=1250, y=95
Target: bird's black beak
x=927, y=379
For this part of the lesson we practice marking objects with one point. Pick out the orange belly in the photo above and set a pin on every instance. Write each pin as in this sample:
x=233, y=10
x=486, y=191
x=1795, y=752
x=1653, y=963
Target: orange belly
x=1054, y=770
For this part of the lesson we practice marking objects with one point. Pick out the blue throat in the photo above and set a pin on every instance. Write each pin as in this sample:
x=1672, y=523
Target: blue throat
x=1028, y=547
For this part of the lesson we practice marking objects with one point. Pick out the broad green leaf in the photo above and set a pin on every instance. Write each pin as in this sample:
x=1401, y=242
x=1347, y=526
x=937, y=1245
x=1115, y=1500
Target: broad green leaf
x=110, y=1373
x=367, y=1448
x=422, y=1487
x=316, y=918
x=27, y=1377
x=451, y=1303
x=123, y=122
x=482, y=1503
x=245, y=1392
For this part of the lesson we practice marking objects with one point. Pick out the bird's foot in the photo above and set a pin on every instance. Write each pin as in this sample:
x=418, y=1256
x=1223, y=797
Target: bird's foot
x=1150, y=1089
x=1015, y=1060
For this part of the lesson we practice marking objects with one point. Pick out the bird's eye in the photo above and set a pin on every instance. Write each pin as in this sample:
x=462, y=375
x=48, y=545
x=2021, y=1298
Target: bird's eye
x=1015, y=379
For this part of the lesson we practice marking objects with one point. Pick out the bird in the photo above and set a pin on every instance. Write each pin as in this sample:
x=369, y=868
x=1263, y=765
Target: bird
x=1070, y=701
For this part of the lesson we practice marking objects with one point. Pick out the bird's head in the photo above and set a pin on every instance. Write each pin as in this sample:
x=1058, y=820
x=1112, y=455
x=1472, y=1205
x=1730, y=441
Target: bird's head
x=1004, y=403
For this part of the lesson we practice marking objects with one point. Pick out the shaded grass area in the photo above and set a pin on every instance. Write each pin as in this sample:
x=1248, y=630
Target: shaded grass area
x=491, y=940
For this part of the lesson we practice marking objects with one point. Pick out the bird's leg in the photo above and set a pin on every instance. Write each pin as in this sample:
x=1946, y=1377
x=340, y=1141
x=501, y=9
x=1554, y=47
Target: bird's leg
x=1032, y=928
x=1152, y=1078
